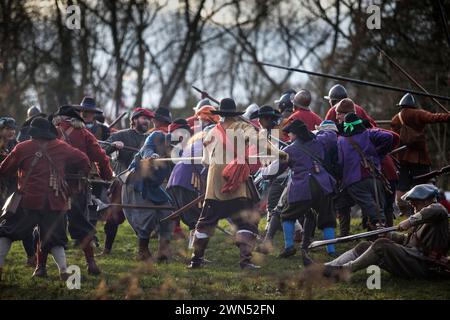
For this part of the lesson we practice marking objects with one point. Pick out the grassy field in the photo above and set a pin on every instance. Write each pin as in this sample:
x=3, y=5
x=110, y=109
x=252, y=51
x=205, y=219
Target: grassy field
x=124, y=278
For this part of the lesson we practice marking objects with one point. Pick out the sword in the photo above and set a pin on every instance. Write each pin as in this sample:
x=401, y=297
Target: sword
x=124, y=147
x=103, y=206
x=398, y=150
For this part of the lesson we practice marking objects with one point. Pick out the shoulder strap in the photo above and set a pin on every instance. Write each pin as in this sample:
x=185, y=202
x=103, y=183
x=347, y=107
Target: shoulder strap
x=306, y=150
x=38, y=155
x=400, y=118
x=66, y=134
x=358, y=149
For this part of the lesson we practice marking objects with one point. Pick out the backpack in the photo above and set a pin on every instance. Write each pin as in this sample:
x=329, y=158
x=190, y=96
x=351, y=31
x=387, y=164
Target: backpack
x=409, y=136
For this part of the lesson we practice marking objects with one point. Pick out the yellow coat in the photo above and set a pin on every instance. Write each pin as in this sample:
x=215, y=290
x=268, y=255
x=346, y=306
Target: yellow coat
x=217, y=158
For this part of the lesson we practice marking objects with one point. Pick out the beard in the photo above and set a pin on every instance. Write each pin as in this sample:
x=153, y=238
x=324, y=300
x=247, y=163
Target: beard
x=142, y=127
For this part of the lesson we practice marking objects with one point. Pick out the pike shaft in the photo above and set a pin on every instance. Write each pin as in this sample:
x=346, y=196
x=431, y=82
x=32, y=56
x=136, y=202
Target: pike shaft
x=357, y=81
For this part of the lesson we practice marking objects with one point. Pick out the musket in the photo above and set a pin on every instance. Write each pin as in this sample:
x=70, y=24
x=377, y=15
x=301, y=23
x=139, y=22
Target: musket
x=206, y=94
x=353, y=237
x=397, y=150
x=124, y=147
x=117, y=120
x=356, y=81
x=433, y=174
x=178, y=212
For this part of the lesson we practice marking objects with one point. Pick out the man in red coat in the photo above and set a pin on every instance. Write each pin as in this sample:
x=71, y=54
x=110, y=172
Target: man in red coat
x=302, y=112
x=415, y=160
x=336, y=94
x=40, y=164
x=71, y=129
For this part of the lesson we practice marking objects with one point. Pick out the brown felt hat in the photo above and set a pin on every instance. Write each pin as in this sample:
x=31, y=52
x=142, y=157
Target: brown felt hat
x=345, y=106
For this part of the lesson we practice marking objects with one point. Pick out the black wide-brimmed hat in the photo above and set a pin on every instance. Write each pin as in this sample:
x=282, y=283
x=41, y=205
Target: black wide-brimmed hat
x=300, y=129
x=88, y=104
x=69, y=111
x=41, y=128
x=266, y=111
x=227, y=108
x=163, y=114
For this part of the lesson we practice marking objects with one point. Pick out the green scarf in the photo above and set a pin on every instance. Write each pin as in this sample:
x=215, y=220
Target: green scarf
x=351, y=125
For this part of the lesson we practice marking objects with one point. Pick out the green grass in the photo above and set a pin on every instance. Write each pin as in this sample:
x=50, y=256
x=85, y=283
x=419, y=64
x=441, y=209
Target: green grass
x=125, y=278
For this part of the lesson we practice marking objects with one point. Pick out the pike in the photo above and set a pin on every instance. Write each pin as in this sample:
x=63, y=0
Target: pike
x=117, y=120
x=321, y=243
x=356, y=81
x=103, y=206
x=206, y=94
x=407, y=75
x=200, y=158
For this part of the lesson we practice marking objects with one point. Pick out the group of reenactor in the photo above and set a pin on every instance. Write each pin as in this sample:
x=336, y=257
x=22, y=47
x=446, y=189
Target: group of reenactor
x=303, y=172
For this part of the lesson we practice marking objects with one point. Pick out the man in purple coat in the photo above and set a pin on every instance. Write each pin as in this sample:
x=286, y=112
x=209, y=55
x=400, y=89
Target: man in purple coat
x=360, y=152
x=188, y=179
x=311, y=187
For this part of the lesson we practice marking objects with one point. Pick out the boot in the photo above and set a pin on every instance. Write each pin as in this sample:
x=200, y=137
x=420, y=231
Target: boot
x=368, y=258
x=1, y=272
x=31, y=261
x=265, y=247
x=163, y=250
x=344, y=258
x=344, y=221
x=41, y=265
x=287, y=252
x=110, y=235
x=197, y=259
x=143, y=251
x=92, y=267
x=246, y=243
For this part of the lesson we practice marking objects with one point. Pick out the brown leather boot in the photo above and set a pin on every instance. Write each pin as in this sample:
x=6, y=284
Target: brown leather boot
x=163, y=250
x=143, y=251
x=41, y=264
x=92, y=267
x=246, y=243
x=197, y=259
x=31, y=261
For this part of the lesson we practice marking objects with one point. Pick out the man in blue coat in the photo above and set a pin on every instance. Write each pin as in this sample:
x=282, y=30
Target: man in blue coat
x=144, y=187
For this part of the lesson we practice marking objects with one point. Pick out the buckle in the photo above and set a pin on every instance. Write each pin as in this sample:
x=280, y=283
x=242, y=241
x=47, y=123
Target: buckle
x=38, y=154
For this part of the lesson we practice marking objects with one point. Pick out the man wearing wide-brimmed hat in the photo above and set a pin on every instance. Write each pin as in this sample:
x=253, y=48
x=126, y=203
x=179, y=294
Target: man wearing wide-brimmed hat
x=88, y=111
x=41, y=164
x=161, y=120
x=71, y=128
x=32, y=113
x=227, y=191
x=309, y=174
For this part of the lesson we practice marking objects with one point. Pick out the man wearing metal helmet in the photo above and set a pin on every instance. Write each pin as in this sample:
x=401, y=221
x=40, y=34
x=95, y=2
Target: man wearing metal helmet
x=410, y=124
x=302, y=112
x=32, y=113
x=421, y=253
x=336, y=94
